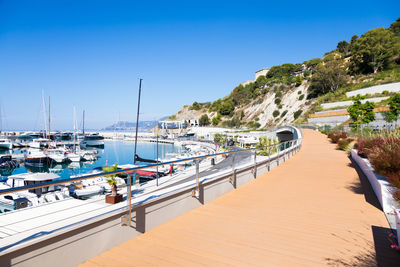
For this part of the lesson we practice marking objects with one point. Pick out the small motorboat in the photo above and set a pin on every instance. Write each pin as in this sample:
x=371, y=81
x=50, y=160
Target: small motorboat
x=36, y=158
x=6, y=162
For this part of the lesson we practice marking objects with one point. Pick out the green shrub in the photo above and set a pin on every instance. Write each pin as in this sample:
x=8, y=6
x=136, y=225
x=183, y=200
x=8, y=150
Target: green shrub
x=253, y=124
x=195, y=106
x=297, y=114
x=276, y=113
x=277, y=101
x=299, y=92
x=346, y=144
x=216, y=120
x=278, y=94
x=284, y=113
x=336, y=136
x=301, y=97
x=204, y=120
x=280, y=106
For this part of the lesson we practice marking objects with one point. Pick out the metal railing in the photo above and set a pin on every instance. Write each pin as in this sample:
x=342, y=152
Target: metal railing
x=131, y=171
x=280, y=149
x=282, y=145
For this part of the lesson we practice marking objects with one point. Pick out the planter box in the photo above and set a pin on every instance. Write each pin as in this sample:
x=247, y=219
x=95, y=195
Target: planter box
x=114, y=199
x=382, y=190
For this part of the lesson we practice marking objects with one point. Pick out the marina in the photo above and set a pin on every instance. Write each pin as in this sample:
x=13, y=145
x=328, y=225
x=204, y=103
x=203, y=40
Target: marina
x=72, y=160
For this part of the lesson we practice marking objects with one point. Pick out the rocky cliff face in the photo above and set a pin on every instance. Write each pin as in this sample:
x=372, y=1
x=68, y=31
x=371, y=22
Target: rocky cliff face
x=280, y=105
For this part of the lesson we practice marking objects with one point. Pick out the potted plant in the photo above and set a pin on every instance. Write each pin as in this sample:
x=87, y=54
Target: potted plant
x=114, y=197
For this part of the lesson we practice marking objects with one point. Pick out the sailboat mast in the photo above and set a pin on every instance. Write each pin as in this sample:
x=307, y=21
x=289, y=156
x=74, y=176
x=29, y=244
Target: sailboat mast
x=44, y=113
x=1, y=121
x=74, y=128
x=49, y=124
x=137, y=120
x=157, y=152
x=83, y=124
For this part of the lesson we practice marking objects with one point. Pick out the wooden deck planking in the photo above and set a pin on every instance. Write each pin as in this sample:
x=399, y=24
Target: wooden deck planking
x=303, y=213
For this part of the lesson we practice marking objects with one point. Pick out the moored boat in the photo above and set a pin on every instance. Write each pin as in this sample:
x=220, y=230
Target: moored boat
x=36, y=158
x=94, y=140
x=5, y=144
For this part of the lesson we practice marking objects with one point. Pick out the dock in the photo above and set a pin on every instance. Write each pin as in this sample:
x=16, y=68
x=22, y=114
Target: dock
x=314, y=210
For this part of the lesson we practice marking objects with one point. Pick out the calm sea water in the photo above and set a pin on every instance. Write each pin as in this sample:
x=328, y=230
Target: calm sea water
x=120, y=152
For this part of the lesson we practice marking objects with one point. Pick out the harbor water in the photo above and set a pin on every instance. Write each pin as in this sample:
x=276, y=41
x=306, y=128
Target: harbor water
x=114, y=151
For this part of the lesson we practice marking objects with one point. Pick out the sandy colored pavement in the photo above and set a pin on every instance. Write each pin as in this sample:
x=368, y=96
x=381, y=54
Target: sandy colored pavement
x=313, y=210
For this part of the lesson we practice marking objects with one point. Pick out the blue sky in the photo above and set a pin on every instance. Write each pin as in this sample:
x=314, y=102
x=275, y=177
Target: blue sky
x=92, y=53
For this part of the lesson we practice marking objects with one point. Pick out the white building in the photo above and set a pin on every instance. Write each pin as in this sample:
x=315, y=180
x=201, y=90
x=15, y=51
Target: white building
x=261, y=72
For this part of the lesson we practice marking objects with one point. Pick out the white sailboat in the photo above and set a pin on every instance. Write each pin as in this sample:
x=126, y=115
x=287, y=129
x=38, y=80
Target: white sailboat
x=73, y=155
x=4, y=142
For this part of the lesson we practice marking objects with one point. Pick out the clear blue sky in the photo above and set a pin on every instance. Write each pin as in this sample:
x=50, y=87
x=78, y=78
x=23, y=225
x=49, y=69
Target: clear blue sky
x=92, y=53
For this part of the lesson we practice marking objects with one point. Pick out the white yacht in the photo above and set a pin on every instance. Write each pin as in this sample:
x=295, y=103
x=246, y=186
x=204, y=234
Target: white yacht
x=57, y=155
x=32, y=197
x=38, y=143
x=36, y=158
x=94, y=140
x=74, y=157
x=5, y=144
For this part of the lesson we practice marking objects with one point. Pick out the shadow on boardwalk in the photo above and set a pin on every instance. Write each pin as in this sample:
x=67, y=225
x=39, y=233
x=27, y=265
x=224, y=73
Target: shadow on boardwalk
x=364, y=187
x=384, y=256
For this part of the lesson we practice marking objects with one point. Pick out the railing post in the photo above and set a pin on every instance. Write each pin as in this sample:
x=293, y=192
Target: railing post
x=196, y=191
x=277, y=158
x=128, y=217
x=284, y=151
x=269, y=158
x=232, y=179
x=255, y=164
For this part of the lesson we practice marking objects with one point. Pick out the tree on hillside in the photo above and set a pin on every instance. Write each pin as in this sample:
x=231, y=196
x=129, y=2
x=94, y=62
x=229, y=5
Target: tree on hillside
x=394, y=112
x=327, y=78
x=227, y=108
x=299, y=80
x=204, y=120
x=361, y=113
x=343, y=47
x=195, y=106
x=312, y=63
x=395, y=27
x=216, y=120
x=374, y=51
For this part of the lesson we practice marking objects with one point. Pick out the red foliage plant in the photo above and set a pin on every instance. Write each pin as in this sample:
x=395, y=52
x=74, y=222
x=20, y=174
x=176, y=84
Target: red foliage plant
x=336, y=136
x=365, y=146
x=385, y=157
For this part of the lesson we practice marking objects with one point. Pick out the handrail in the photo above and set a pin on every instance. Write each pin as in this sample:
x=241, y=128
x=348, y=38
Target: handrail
x=91, y=176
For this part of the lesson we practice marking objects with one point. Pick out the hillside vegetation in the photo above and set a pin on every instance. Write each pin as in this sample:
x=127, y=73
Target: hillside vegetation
x=289, y=92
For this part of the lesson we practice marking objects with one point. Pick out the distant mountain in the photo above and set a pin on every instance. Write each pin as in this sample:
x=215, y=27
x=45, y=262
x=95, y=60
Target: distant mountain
x=131, y=126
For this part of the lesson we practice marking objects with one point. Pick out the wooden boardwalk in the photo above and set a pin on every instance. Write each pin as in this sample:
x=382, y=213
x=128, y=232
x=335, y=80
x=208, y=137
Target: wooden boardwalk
x=312, y=210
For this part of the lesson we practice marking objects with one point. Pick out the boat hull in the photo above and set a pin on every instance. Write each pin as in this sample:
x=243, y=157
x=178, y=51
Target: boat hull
x=94, y=143
x=6, y=146
x=37, y=161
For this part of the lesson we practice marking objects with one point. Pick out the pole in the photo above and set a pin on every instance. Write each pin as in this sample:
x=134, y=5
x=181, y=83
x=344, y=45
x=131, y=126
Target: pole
x=129, y=193
x=83, y=124
x=49, y=125
x=157, y=152
x=44, y=114
x=137, y=119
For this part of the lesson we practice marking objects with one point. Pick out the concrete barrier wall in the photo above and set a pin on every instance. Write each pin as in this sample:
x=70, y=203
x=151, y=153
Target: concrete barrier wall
x=350, y=102
x=76, y=245
x=377, y=89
